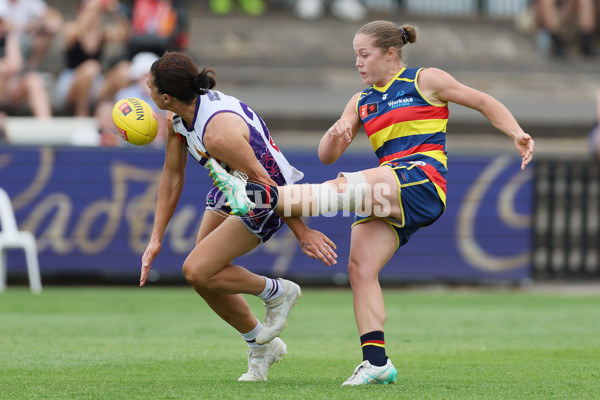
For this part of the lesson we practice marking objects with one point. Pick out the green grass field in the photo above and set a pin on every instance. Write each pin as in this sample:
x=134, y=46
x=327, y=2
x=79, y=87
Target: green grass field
x=162, y=343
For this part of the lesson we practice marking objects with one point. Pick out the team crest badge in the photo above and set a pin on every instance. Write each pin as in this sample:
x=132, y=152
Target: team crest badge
x=368, y=109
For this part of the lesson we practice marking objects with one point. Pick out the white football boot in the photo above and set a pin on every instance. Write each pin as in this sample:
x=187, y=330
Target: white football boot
x=366, y=374
x=278, y=311
x=232, y=186
x=261, y=359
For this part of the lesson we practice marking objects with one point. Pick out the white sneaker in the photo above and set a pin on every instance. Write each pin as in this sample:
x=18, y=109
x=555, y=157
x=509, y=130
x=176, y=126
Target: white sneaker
x=233, y=186
x=366, y=374
x=278, y=311
x=261, y=359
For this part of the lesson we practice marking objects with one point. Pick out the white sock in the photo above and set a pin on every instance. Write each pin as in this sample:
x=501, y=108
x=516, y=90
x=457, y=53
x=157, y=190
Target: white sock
x=250, y=337
x=273, y=289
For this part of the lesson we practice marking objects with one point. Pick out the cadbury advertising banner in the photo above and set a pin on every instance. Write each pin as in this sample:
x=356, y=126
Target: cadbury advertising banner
x=91, y=211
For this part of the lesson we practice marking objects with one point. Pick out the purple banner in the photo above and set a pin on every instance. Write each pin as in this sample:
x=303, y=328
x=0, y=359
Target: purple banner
x=92, y=212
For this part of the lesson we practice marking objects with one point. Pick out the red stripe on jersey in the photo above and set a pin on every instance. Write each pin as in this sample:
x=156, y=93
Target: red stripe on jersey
x=417, y=149
x=434, y=175
x=403, y=114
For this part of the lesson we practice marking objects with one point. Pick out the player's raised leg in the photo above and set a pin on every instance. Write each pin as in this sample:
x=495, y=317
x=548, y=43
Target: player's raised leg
x=371, y=192
x=234, y=188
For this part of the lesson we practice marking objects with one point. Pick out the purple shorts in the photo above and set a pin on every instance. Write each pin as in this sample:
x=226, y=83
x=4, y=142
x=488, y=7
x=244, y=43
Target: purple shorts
x=263, y=223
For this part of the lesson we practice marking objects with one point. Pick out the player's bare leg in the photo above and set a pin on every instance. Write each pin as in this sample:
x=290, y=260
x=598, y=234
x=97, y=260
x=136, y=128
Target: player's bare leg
x=234, y=309
x=372, y=245
x=371, y=192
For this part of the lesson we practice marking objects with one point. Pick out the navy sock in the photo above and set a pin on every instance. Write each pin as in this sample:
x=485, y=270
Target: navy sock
x=264, y=196
x=373, y=348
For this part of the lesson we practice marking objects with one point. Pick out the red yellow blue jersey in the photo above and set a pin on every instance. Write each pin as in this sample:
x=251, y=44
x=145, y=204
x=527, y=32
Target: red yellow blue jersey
x=403, y=126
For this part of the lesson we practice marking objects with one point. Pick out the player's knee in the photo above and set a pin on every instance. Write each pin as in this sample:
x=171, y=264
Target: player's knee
x=360, y=273
x=194, y=276
x=200, y=280
x=353, y=272
x=346, y=192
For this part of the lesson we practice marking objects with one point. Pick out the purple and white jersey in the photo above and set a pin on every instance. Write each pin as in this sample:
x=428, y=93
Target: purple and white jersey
x=265, y=150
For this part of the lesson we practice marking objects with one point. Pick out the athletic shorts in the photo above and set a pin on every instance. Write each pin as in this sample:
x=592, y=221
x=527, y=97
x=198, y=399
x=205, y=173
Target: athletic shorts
x=420, y=201
x=263, y=223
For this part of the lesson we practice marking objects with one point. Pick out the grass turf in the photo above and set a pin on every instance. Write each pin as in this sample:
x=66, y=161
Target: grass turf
x=162, y=343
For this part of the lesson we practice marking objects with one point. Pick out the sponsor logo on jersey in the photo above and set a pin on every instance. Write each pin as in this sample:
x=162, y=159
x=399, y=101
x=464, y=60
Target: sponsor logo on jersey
x=421, y=163
x=401, y=102
x=368, y=109
x=212, y=96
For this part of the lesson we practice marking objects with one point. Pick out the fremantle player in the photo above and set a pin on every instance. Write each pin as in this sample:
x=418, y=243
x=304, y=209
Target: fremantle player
x=208, y=124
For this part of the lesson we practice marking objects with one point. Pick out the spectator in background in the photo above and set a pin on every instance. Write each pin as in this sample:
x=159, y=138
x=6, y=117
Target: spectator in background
x=82, y=83
x=105, y=128
x=17, y=85
x=556, y=17
x=36, y=24
x=157, y=26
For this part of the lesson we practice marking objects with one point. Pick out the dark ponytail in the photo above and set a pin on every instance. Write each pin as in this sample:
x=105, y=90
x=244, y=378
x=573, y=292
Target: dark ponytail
x=204, y=81
x=177, y=74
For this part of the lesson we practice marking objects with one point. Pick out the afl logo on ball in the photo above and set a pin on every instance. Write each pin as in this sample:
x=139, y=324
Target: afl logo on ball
x=125, y=108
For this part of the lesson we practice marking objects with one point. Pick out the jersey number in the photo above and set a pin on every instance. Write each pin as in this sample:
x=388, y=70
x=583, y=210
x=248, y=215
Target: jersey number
x=250, y=114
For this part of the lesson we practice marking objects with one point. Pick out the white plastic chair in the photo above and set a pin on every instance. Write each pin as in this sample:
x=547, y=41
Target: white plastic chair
x=11, y=238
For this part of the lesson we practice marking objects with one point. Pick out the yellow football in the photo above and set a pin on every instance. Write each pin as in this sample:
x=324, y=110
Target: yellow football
x=135, y=121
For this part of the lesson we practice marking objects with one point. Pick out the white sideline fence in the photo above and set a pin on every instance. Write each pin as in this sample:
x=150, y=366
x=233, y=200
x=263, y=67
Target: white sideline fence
x=54, y=131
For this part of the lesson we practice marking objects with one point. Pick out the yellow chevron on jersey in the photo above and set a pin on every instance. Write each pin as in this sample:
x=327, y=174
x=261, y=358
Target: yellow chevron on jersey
x=402, y=125
x=407, y=128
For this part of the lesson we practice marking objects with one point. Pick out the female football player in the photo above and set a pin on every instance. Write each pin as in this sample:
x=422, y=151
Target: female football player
x=212, y=125
x=404, y=112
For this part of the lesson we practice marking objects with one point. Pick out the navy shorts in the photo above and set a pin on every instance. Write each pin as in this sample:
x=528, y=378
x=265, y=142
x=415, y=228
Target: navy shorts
x=263, y=223
x=420, y=201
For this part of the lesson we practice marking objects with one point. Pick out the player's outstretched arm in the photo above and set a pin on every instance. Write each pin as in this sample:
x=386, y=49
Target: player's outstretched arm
x=440, y=87
x=169, y=191
x=525, y=145
x=150, y=254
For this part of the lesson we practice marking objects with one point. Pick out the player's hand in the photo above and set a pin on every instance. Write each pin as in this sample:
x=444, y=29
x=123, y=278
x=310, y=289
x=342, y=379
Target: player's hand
x=150, y=254
x=525, y=145
x=318, y=246
x=341, y=129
